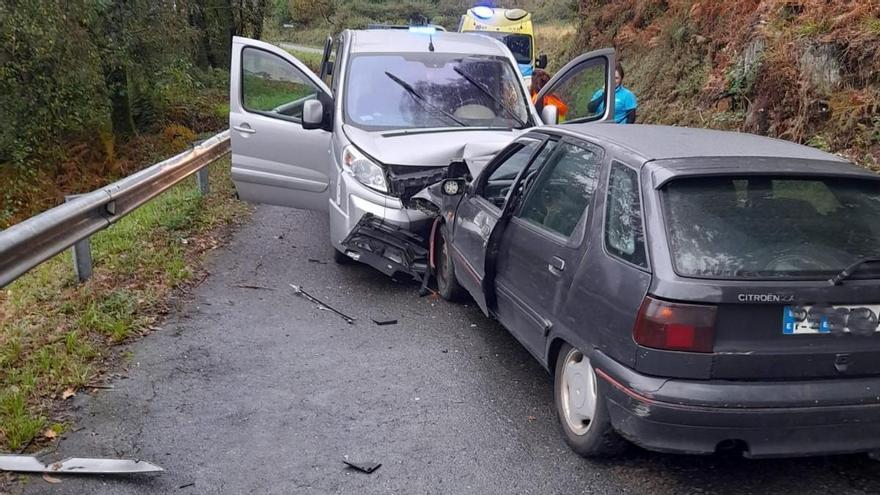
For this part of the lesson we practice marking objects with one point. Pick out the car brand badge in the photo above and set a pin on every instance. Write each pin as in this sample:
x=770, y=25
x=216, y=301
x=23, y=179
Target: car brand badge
x=765, y=298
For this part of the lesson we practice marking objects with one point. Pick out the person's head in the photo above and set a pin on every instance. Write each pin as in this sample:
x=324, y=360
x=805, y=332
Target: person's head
x=539, y=79
x=618, y=75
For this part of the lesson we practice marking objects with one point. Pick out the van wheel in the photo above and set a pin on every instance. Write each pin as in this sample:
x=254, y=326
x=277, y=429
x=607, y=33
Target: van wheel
x=581, y=407
x=341, y=258
x=447, y=284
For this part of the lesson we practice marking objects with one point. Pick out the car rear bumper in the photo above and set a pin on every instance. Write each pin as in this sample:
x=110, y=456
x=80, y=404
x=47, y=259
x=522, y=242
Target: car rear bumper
x=765, y=419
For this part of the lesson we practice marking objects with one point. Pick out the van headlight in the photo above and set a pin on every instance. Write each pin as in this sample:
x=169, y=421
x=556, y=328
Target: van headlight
x=363, y=169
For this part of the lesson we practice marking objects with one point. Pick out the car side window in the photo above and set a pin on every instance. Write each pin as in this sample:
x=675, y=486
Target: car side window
x=624, y=234
x=272, y=86
x=498, y=184
x=564, y=189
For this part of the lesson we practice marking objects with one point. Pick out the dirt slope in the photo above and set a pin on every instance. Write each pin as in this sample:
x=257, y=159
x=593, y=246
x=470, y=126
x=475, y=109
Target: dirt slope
x=803, y=70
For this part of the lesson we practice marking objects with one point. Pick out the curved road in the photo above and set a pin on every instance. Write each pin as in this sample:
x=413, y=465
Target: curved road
x=249, y=390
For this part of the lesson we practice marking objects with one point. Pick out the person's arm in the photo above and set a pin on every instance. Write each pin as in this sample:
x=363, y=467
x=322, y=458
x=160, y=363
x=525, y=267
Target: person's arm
x=631, y=105
x=594, y=103
x=597, y=99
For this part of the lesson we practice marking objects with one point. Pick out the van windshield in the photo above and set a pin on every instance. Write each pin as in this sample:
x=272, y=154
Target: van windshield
x=772, y=227
x=520, y=45
x=377, y=98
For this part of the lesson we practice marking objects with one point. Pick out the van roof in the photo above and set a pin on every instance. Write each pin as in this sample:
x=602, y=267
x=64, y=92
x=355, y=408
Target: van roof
x=404, y=41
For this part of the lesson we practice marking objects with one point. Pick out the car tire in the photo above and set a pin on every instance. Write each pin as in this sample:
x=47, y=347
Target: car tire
x=341, y=258
x=584, y=418
x=447, y=284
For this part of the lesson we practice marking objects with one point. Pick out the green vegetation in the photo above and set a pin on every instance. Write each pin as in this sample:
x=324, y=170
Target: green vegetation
x=57, y=335
x=94, y=87
x=311, y=59
x=313, y=20
x=802, y=71
x=263, y=95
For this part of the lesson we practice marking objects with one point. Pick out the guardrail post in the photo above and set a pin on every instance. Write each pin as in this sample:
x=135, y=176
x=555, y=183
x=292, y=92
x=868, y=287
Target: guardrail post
x=82, y=253
x=202, y=178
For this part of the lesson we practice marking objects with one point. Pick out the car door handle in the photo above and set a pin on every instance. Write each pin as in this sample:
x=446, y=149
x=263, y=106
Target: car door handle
x=556, y=265
x=244, y=128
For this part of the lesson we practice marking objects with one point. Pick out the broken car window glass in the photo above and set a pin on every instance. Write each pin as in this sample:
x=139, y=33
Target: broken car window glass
x=771, y=227
x=624, y=236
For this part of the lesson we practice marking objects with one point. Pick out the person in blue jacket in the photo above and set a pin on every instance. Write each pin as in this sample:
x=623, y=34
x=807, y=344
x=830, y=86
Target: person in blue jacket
x=624, y=100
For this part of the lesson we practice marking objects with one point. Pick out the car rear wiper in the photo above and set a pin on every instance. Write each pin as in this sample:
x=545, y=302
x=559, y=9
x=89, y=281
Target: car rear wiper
x=488, y=93
x=848, y=271
x=421, y=99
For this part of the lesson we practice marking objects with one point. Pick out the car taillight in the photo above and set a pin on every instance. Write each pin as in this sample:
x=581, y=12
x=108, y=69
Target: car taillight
x=675, y=326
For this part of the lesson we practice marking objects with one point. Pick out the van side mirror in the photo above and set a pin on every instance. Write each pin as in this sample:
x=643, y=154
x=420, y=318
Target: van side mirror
x=550, y=115
x=541, y=63
x=453, y=187
x=313, y=114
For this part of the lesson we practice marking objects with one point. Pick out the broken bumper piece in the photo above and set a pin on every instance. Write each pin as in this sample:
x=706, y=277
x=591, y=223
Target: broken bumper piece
x=387, y=248
x=75, y=465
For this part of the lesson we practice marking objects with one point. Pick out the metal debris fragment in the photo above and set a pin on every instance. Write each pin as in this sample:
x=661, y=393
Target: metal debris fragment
x=384, y=321
x=300, y=292
x=76, y=465
x=248, y=286
x=366, y=467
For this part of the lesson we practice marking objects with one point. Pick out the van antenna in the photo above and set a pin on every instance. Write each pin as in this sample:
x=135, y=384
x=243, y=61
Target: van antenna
x=430, y=43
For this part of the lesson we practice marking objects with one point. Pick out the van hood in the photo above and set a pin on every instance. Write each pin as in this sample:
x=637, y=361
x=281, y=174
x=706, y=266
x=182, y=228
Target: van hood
x=431, y=148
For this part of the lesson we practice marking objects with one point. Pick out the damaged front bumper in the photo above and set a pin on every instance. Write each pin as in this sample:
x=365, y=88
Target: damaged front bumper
x=388, y=248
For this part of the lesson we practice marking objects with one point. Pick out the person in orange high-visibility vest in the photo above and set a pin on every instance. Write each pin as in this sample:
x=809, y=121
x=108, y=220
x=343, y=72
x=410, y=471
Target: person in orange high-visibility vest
x=539, y=79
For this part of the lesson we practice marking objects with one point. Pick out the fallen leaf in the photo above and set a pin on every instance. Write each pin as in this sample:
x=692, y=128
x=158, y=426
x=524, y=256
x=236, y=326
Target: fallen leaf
x=51, y=479
x=50, y=433
x=532, y=418
x=68, y=393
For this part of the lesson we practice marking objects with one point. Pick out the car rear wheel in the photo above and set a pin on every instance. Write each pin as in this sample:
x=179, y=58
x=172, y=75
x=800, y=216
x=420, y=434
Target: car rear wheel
x=447, y=284
x=581, y=407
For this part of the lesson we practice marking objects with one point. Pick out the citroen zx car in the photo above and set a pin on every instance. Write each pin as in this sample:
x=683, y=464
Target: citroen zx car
x=690, y=290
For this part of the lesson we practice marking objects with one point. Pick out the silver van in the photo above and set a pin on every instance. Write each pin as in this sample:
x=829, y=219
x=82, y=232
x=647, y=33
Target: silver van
x=383, y=120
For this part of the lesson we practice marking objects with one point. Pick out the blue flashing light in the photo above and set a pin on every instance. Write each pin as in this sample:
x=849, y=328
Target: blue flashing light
x=483, y=12
x=423, y=29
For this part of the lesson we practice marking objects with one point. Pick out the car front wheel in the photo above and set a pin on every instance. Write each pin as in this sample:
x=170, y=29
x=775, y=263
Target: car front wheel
x=447, y=284
x=581, y=407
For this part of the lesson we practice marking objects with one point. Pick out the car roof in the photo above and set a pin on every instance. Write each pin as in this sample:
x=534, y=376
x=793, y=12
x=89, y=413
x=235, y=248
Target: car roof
x=404, y=41
x=668, y=152
x=659, y=142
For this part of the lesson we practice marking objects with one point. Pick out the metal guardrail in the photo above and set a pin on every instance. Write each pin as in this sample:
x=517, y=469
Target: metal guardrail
x=35, y=240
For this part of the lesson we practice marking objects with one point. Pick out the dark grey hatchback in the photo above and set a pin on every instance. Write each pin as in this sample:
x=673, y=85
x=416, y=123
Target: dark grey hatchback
x=690, y=290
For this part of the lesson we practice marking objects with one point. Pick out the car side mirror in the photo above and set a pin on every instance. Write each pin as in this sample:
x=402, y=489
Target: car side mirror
x=550, y=115
x=453, y=187
x=313, y=114
x=541, y=63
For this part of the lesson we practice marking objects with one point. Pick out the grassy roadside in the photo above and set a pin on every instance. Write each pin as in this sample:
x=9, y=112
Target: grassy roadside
x=58, y=337
x=311, y=59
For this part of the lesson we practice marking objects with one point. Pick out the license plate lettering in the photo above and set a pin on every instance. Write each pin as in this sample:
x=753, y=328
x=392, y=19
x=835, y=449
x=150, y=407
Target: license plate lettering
x=824, y=318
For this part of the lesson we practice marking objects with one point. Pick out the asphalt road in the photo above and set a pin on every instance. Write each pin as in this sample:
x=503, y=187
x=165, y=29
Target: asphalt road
x=256, y=391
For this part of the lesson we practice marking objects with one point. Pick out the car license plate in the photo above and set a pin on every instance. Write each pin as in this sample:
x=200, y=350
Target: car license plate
x=825, y=318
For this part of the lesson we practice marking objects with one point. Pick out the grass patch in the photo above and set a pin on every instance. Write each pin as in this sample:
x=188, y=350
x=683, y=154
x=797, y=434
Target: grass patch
x=311, y=59
x=56, y=334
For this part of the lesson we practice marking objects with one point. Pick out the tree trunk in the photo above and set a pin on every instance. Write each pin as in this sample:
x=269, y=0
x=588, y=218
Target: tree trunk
x=116, y=80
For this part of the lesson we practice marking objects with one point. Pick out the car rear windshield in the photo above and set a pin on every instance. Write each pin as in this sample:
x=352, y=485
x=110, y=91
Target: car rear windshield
x=451, y=90
x=772, y=227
